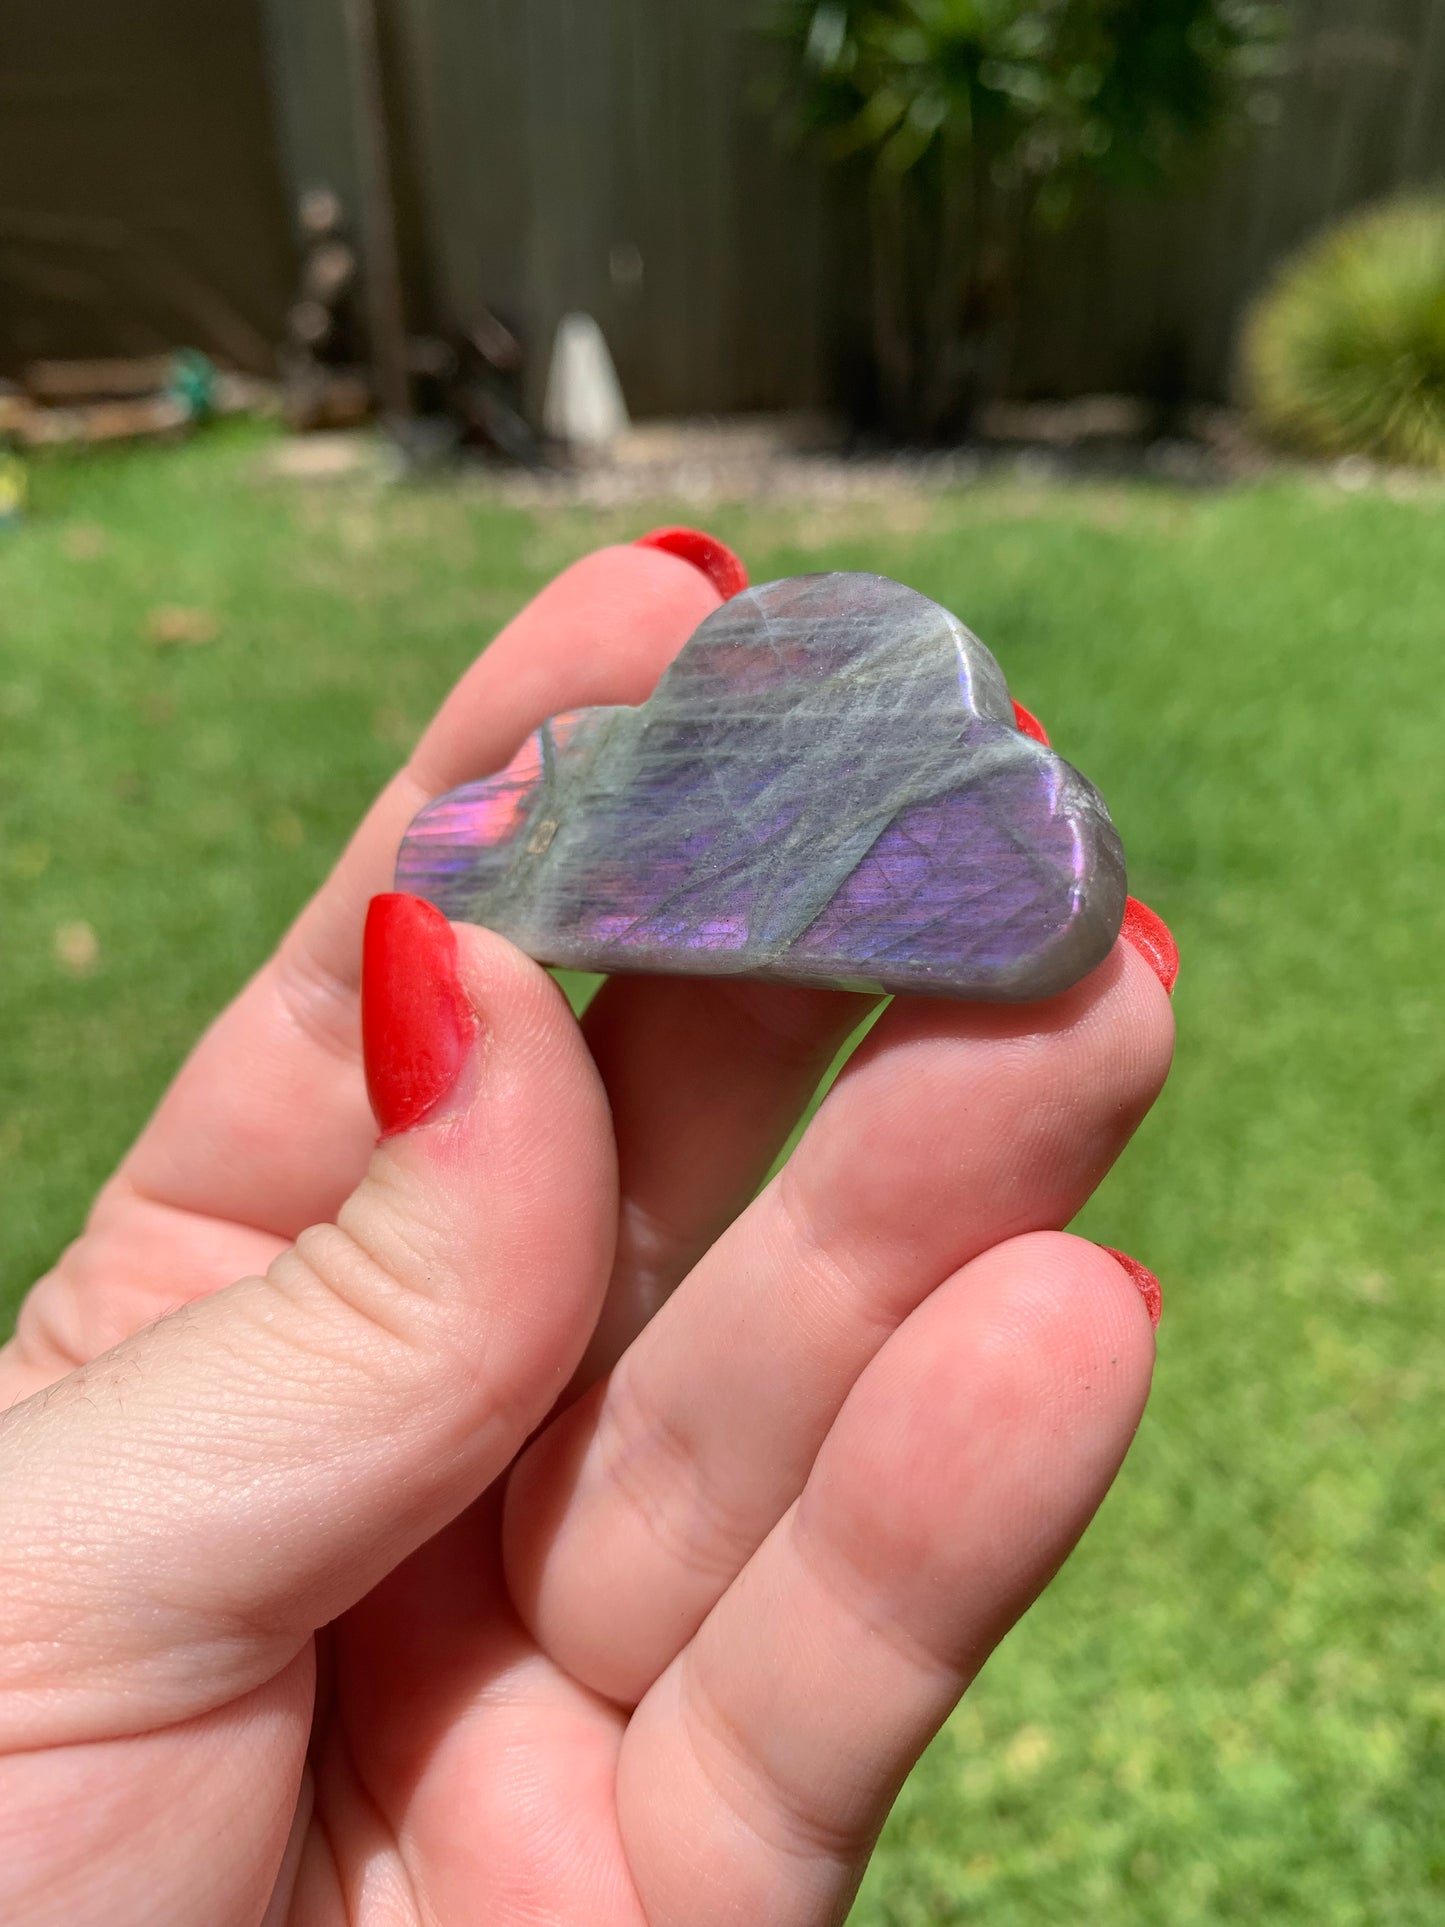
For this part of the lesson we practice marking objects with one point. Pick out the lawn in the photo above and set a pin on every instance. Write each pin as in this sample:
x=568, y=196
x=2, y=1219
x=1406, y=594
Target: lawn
x=1230, y=1707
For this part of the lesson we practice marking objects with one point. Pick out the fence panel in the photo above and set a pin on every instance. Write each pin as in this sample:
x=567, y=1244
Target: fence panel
x=1146, y=296
x=609, y=155
x=613, y=155
x=140, y=197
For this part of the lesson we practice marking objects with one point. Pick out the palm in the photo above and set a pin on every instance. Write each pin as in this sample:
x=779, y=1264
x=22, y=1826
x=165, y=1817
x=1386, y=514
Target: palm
x=780, y=1531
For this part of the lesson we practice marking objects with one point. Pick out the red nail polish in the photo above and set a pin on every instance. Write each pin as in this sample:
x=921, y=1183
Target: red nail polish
x=716, y=561
x=416, y=1023
x=1147, y=1283
x=1151, y=937
x=1030, y=725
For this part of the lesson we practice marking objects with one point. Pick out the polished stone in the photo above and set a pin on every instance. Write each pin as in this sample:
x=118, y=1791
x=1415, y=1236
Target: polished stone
x=827, y=787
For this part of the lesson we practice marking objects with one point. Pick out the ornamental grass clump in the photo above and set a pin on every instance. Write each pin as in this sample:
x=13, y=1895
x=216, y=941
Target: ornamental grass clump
x=1345, y=353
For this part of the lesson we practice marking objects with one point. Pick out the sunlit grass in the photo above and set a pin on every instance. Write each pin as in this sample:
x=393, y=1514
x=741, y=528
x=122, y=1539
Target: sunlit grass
x=1228, y=1707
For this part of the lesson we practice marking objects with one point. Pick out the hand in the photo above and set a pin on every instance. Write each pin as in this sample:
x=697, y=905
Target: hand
x=298, y=1626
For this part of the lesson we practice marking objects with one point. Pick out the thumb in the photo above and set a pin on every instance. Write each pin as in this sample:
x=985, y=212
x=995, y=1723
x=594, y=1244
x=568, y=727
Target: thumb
x=177, y=1518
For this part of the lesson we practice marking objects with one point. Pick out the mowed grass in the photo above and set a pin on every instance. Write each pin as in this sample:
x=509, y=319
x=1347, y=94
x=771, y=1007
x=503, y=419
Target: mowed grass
x=1231, y=1706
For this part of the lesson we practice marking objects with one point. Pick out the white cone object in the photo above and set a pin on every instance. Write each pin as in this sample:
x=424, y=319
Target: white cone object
x=585, y=405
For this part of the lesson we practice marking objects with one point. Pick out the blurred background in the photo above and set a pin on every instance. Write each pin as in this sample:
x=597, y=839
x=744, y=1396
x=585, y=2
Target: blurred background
x=715, y=183
x=331, y=329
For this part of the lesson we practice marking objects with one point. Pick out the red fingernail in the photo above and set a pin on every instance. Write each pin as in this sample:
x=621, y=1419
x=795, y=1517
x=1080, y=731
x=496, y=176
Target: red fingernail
x=717, y=562
x=1152, y=938
x=416, y=1023
x=1031, y=726
x=1147, y=1283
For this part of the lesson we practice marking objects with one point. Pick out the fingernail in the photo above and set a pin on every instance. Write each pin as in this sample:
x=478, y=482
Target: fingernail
x=1151, y=937
x=717, y=562
x=1031, y=726
x=1147, y=1283
x=416, y=1023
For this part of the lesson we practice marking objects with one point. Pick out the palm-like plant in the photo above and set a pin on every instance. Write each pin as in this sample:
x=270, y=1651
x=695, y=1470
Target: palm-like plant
x=975, y=118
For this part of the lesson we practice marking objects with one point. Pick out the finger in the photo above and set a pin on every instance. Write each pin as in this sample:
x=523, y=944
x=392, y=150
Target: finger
x=966, y=1462
x=192, y=1506
x=600, y=633
x=266, y=1127
x=706, y=1081
x=953, y=1128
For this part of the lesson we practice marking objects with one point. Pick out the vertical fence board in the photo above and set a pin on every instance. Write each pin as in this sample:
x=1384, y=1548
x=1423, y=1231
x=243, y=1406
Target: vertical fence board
x=1145, y=294
x=141, y=203
x=612, y=155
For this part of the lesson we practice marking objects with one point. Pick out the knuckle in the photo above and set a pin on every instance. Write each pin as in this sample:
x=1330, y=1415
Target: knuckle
x=843, y=1296
x=342, y=1279
x=318, y=1001
x=786, y=1818
x=658, y=1469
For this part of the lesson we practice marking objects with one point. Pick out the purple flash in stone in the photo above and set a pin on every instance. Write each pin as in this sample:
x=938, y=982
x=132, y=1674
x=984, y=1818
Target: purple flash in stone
x=827, y=787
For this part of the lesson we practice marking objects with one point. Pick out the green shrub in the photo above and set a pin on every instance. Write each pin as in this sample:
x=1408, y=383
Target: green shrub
x=1345, y=353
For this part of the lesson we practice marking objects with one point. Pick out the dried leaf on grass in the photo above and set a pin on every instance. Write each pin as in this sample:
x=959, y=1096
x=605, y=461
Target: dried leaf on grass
x=76, y=948
x=171, y=624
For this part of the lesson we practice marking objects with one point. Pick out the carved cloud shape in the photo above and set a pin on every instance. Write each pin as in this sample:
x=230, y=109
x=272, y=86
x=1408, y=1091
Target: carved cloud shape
x=827, y=787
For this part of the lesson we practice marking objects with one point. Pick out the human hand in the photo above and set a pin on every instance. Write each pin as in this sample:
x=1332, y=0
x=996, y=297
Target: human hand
x=674, y=1663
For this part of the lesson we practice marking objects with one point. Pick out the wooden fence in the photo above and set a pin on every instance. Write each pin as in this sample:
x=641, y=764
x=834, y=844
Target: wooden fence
x=610, y=155
x=614, y=155
x=141, y=203
x=1148, y=295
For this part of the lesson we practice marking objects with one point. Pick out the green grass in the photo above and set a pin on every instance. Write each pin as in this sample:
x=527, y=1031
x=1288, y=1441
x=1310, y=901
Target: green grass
x=1229, y=1708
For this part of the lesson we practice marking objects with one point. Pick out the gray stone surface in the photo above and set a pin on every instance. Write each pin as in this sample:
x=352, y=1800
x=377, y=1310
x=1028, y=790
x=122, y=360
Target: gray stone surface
x=827, y=787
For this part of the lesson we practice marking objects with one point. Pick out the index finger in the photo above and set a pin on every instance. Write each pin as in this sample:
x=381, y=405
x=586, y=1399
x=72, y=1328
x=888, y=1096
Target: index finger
x=267, y=1124
x=267, y=1127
